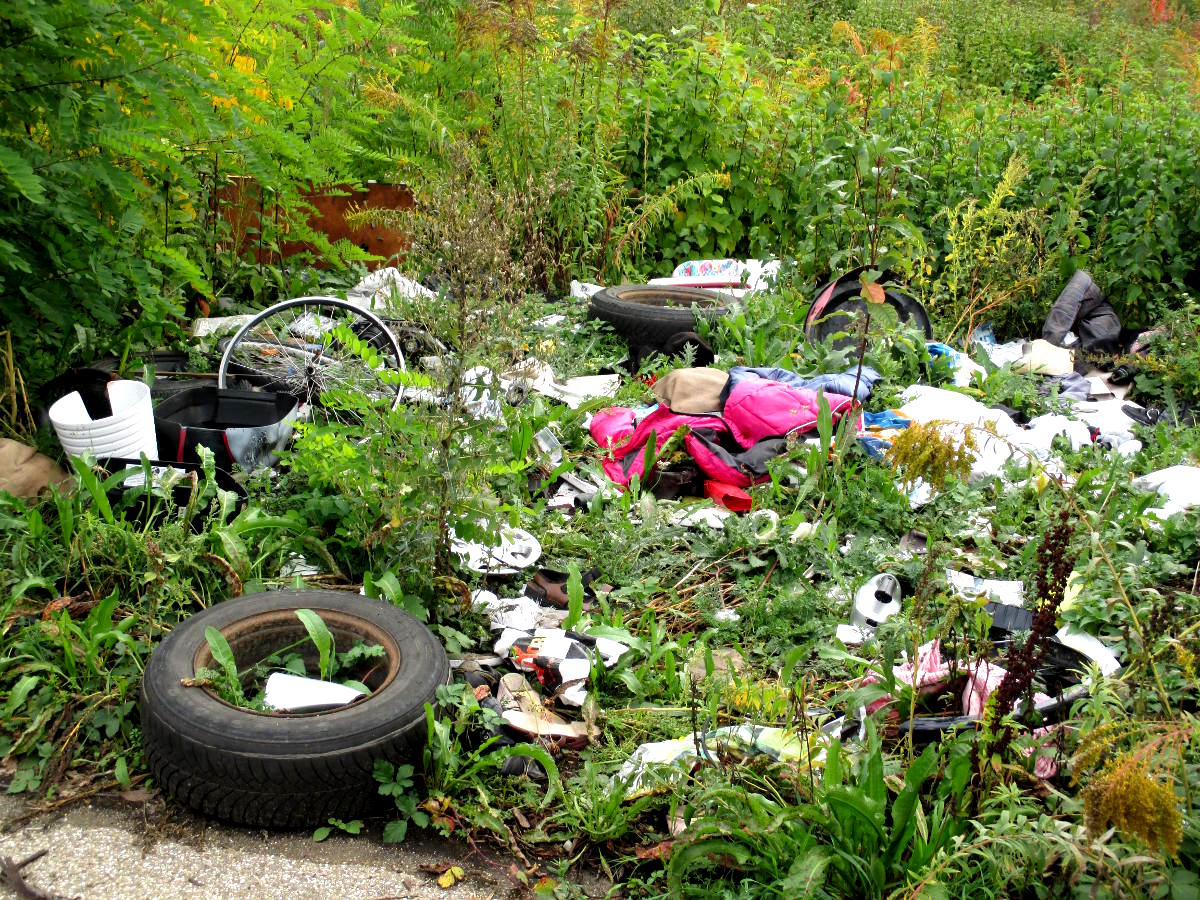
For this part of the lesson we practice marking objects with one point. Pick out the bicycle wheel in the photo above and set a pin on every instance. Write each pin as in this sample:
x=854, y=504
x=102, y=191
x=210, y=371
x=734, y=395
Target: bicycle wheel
x=316, y=348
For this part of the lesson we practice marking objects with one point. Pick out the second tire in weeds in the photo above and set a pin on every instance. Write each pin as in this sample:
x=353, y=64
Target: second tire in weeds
x=650, y=314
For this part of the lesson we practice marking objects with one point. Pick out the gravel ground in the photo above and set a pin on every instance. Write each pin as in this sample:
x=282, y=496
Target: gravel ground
x=149, y=849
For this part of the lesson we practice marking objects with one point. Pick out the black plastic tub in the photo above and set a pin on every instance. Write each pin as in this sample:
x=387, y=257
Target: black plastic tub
x=248, y=428
x=1058, y=677
x=148, y=507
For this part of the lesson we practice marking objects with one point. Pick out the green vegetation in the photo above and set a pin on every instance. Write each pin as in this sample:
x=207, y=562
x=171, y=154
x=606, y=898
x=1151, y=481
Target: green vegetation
x=982, y=152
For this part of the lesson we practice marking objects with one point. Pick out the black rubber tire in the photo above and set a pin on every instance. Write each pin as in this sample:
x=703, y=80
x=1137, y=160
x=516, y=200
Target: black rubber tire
x=1058, y=662
x=650, y=314
x=829, y=317
x=285, y=771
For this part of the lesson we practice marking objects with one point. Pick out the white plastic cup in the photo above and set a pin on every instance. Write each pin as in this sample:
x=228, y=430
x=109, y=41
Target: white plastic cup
x=128, y=432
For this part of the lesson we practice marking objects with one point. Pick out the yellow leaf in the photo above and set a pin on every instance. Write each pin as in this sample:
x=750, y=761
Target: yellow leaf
x=451, y=877
x=873, y=293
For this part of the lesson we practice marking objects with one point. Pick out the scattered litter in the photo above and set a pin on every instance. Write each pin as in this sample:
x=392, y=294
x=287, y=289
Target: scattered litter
x=1010, y=593
x=802, y=532
x=375, y=291
x=285, y=692
x=931, y=674
x=1043, y=358
x=962, y=366
x=518, y=549
x=1081, y=307
x=550, y=445
x=874, y=603
x=1179, y=484
x=220, y=325
x=524, y=711
x=561, y=660
x=24, y=472
x=582, y=290
x=661, y=763
x=701, y=515
x=119, y=423
x=523, y=612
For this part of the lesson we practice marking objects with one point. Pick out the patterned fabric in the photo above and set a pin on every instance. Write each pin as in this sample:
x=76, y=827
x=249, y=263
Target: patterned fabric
x=707, y=268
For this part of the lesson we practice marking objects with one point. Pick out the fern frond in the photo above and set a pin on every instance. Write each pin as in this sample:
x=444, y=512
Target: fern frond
x=655, y=210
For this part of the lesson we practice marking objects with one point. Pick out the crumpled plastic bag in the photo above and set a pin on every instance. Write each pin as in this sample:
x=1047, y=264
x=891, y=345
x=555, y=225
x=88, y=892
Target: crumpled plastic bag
x=1179, y=484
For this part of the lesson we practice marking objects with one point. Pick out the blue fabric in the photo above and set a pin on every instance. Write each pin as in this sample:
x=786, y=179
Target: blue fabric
x=842, y=383
x=886, y=419
x=875, y=447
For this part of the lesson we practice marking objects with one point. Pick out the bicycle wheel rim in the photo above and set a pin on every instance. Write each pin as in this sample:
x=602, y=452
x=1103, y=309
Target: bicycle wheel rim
x=319, y=350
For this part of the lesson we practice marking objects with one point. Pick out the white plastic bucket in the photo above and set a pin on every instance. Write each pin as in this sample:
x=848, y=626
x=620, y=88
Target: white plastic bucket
x=128, y=432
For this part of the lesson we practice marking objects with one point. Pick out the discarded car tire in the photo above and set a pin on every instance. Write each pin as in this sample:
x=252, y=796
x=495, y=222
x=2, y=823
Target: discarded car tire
x=271, y=770
x=840, y=299
x=650, y=314
x=1057, y=671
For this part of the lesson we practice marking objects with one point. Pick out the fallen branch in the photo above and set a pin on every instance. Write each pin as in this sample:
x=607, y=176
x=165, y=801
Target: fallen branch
x=11, y=877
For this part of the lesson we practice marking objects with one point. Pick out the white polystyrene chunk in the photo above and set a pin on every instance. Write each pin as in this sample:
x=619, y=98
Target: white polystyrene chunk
x=295, y=693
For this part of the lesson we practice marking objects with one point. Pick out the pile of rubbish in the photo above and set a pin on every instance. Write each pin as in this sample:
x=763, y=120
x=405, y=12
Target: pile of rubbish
x=731, y=423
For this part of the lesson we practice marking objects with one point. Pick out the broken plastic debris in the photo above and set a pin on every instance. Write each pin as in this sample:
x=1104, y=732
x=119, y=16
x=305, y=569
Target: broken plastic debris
x=549, y=444
x=1010, y=593
x=876, y=601
x=701, y=515
x=521, y=612
x=802, y=532
x=518, y=549
x=295, y=693
x=662, y=762
x=561, y=660
x=524, y=711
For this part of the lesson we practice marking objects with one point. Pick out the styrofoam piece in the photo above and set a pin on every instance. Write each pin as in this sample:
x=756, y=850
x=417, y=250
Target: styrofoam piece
x=523, y=613
x=1091, y=647
x=128, y=432
x=286, y=692
x=701, y=515
x=1180, y=485
x=574, y=391
x=1130, y=448
x=582, y=290
x=850, y=635
x=220, y=325
x=375, y=290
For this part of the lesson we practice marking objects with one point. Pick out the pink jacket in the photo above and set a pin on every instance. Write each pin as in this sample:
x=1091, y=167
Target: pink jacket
x=756, y=409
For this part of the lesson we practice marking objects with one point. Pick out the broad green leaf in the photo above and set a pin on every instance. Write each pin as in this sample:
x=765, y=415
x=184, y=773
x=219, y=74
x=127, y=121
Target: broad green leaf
x=574, y=597
x=322, y=637
x=395, y=831
x=17, y=695
x=219, y=647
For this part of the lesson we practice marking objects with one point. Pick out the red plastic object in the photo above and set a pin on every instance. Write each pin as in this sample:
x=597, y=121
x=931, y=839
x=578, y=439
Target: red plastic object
x=728, y=496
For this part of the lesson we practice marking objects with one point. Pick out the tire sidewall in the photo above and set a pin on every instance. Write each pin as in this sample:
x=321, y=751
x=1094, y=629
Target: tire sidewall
x=199, y=716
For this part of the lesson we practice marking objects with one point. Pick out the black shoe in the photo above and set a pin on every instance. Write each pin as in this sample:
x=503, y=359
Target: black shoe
x=1122, y=374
